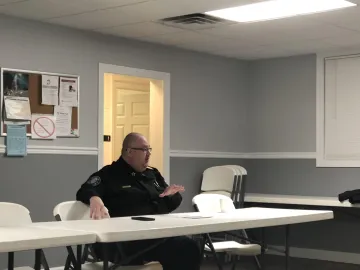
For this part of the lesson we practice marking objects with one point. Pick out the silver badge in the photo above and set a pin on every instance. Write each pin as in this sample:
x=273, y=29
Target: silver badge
x=133, y=174
x=94, y=181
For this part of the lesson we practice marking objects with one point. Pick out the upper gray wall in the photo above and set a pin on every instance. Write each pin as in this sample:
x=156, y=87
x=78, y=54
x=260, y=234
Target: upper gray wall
x=282, y=105
x=207, y=93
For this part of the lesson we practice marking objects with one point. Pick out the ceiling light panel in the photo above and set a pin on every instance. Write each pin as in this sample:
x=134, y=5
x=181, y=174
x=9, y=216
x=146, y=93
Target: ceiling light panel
x=277, y=9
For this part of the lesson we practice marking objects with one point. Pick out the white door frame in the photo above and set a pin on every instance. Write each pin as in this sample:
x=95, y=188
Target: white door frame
x=121, y=70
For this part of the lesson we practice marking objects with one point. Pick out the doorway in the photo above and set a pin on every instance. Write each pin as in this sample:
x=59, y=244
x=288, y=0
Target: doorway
x=133, y=100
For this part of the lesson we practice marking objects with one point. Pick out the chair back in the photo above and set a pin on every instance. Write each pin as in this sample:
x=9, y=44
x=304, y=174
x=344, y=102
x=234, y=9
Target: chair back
x=218, y=178
x=71, y=210
x=213, y=203
x=13, y=214
x=228, y=180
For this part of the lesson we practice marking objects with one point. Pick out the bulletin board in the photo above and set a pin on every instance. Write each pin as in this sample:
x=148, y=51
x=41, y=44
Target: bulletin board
x=31, y=86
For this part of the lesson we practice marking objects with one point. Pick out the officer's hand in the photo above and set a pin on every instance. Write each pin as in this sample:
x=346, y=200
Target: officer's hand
x=98, y=209
x=171, y=190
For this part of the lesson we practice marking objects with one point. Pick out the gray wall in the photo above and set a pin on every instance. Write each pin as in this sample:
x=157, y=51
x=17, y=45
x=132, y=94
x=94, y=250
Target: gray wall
x=282, y=105
x=217, y=104
x=204, y=90
x=282, y=118
x=199, y=82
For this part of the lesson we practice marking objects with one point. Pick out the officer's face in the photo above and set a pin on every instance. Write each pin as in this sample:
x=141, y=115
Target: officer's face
x=140, y=153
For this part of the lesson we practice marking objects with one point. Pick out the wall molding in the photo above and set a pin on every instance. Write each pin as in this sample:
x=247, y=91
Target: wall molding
x=58, y=150
x=243, y=155
x=93, y=151
x=321, y=255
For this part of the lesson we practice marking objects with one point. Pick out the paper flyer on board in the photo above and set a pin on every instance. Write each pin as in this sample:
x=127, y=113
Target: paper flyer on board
x=17, y=108
x=43, y=127
x=63, y=120
x=16, y=140
x=68, y=92
x=50, y=90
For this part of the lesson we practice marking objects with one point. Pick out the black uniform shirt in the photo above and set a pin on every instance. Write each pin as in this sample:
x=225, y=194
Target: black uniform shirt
x=126, y=192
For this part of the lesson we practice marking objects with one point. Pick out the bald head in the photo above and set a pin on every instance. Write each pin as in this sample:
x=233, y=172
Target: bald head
x=130, y=140
x=136, y=151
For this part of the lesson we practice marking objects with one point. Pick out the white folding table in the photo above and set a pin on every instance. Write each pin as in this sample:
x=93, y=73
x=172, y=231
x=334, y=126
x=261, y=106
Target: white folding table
x=126, y=229
x=13, y=239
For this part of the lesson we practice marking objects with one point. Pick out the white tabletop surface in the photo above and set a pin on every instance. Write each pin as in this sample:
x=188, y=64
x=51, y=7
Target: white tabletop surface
x=297, y=200
x=126, y=229
x=28, y=238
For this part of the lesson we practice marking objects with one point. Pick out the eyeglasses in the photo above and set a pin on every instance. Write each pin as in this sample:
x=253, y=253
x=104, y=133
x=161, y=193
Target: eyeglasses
x=142, y=149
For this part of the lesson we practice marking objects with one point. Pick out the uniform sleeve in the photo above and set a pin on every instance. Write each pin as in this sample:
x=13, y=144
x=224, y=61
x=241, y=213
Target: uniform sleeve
x=172, y=201
x=93, y=186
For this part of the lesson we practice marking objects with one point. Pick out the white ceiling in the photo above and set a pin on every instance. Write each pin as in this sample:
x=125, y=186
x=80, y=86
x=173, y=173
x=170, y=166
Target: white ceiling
x=139, y=19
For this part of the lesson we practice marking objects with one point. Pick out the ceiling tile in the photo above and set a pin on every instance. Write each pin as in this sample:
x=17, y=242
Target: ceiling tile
x=306, y=46
x=273, y=32
x=139, y=30
x=348, y=18
x=45, y=9
x=160, y=9
x=346, y=40
x=7, y=2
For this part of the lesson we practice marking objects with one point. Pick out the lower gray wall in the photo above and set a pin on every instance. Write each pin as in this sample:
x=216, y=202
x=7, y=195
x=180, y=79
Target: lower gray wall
x=302, y=177
x=299, y=177
x=39, y=182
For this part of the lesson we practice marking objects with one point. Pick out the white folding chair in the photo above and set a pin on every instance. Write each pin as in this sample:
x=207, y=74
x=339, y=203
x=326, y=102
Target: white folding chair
x=217, y=203
x=75, y=210
x=13, y=214
x=228, y=180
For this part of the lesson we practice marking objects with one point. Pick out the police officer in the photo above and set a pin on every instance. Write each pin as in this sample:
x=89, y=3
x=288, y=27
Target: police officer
x=129, y=187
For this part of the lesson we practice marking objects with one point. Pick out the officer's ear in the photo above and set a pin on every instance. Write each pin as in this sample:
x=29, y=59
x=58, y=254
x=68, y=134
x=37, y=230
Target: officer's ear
x=129, y=151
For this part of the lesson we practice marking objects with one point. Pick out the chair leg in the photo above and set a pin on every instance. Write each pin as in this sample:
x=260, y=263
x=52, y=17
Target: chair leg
x=208, y=240
x=234, y=261
x=67, y=263
x=244, y=233
x=44, y=262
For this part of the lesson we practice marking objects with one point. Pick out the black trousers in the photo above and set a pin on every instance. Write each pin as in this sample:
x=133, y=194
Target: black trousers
x=175, y=253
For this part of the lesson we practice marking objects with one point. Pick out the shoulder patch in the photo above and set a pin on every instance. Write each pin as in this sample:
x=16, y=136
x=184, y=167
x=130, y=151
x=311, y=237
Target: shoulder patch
x=94, y=181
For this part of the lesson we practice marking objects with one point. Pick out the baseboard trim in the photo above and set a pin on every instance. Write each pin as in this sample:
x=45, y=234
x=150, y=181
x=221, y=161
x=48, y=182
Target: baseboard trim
x=239, y=155
x=58, y=150
x=321, y=255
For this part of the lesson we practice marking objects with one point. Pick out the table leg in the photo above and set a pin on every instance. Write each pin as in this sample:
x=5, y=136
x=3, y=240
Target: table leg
x=11, y=261
x=78, y=257
x=105, y=256
x=287, y=249
x=37, y=259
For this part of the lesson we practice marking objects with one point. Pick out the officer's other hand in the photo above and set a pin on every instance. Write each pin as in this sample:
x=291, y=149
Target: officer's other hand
x=98, y=209
x=171, y=190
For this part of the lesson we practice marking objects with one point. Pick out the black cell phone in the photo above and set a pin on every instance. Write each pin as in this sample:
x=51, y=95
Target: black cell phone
x=143, y=218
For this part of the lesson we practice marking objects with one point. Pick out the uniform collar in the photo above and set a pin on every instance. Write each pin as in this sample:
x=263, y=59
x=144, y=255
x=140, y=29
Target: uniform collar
x=127, y=167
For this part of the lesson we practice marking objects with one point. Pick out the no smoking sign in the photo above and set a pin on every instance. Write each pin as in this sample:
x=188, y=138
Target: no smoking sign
x=43, y=127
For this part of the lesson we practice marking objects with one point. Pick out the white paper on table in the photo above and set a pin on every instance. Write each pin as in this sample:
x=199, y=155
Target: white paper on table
x=17, y=108
x=43, y=126
x=68, y=92
x=63, y=120
x=50, y=90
